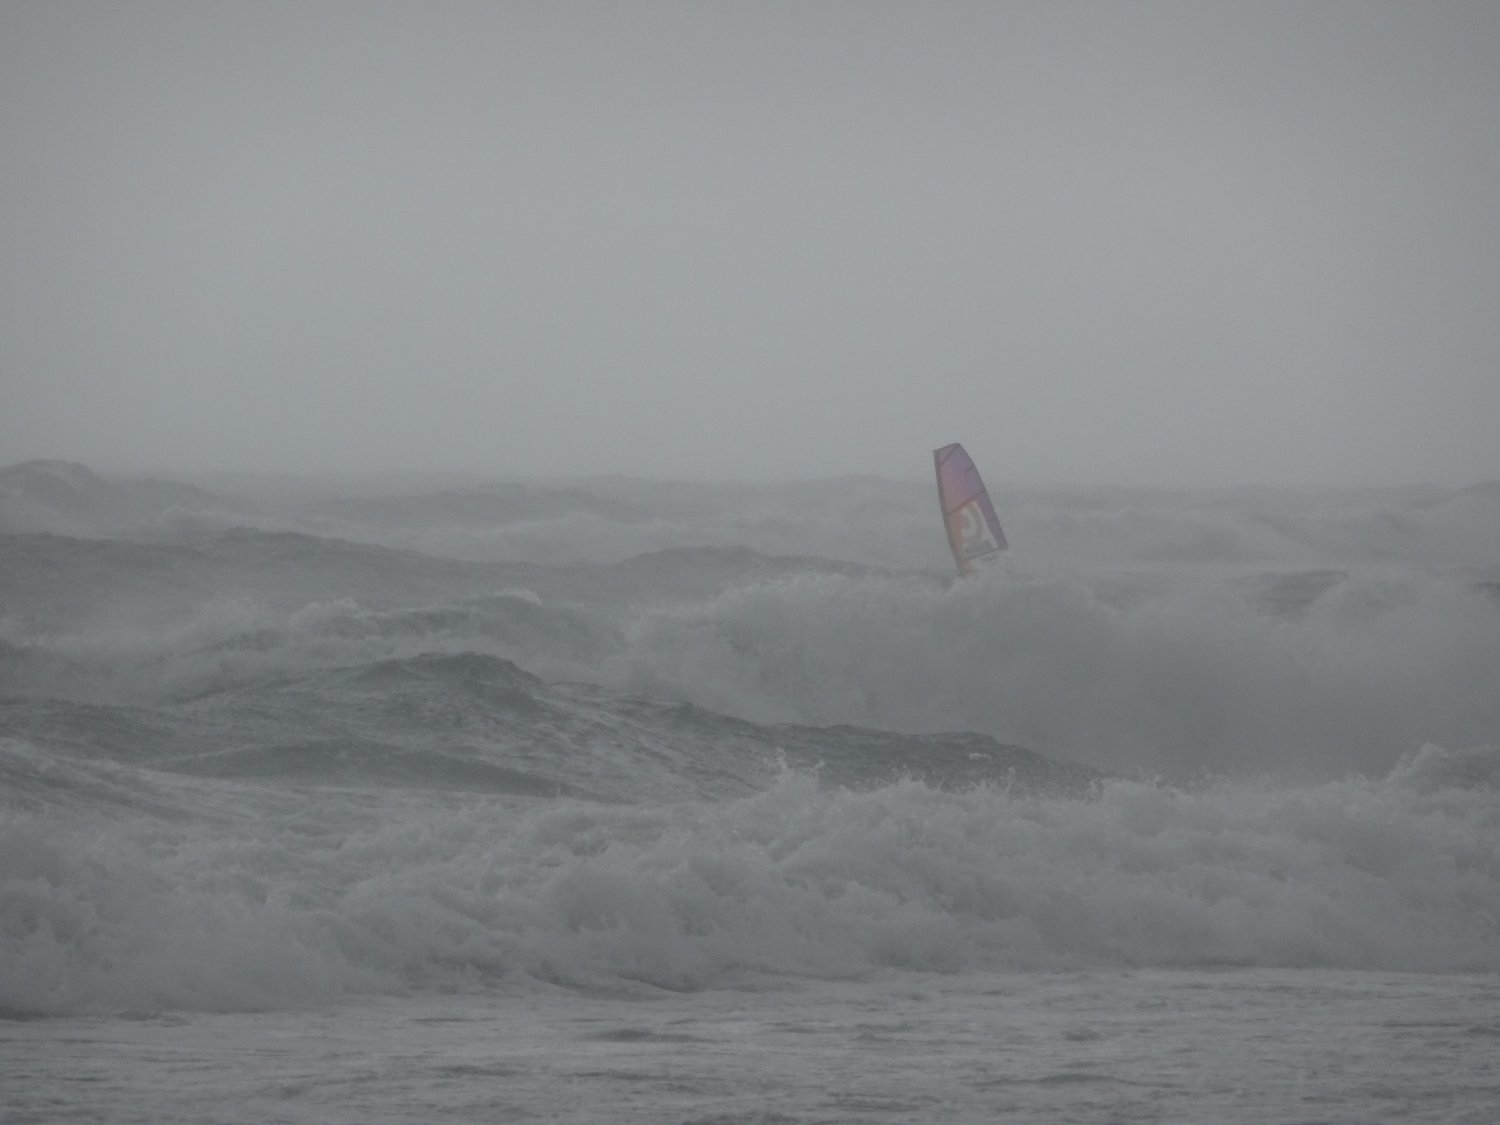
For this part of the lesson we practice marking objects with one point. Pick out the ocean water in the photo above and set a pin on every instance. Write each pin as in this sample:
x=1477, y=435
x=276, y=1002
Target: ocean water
x=608, y=800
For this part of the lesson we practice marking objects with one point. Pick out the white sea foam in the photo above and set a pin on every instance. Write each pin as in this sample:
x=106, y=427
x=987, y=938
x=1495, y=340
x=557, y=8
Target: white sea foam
x=266, y=899
x=1195, y=677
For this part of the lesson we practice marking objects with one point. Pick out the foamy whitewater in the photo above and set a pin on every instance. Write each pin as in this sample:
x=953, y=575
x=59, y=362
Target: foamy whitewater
x=614, y=801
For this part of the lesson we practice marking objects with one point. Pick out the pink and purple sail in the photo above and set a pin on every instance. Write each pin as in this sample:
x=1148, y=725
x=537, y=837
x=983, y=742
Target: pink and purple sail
x=973, y=528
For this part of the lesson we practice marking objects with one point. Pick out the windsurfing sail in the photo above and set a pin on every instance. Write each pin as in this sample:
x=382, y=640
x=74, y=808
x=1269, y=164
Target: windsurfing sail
x=973, y=528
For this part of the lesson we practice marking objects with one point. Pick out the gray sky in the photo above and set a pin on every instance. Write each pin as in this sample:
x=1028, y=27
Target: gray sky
x=1151, y=243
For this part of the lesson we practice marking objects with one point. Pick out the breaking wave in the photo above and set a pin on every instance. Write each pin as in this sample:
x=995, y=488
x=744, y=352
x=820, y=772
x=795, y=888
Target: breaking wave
x=262, y=898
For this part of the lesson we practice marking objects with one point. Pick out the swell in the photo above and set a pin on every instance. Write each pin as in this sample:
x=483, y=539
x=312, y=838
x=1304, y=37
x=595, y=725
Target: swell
x=477, y=722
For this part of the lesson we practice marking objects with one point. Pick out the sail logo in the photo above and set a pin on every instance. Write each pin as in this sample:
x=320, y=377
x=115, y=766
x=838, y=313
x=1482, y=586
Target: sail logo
x=974, y=535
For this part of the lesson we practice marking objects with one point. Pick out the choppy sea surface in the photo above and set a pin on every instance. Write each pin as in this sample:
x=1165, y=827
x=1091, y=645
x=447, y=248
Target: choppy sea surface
x=610, y=800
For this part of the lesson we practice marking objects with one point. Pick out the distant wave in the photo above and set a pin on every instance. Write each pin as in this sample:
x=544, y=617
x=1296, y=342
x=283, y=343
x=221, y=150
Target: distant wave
x=477, y=722
x=1432, y=769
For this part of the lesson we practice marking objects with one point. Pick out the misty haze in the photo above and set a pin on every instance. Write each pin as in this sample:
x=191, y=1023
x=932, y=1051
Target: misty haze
x=495, y=625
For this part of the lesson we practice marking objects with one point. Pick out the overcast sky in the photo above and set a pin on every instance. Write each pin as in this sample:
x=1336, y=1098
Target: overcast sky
x=1139, y=242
